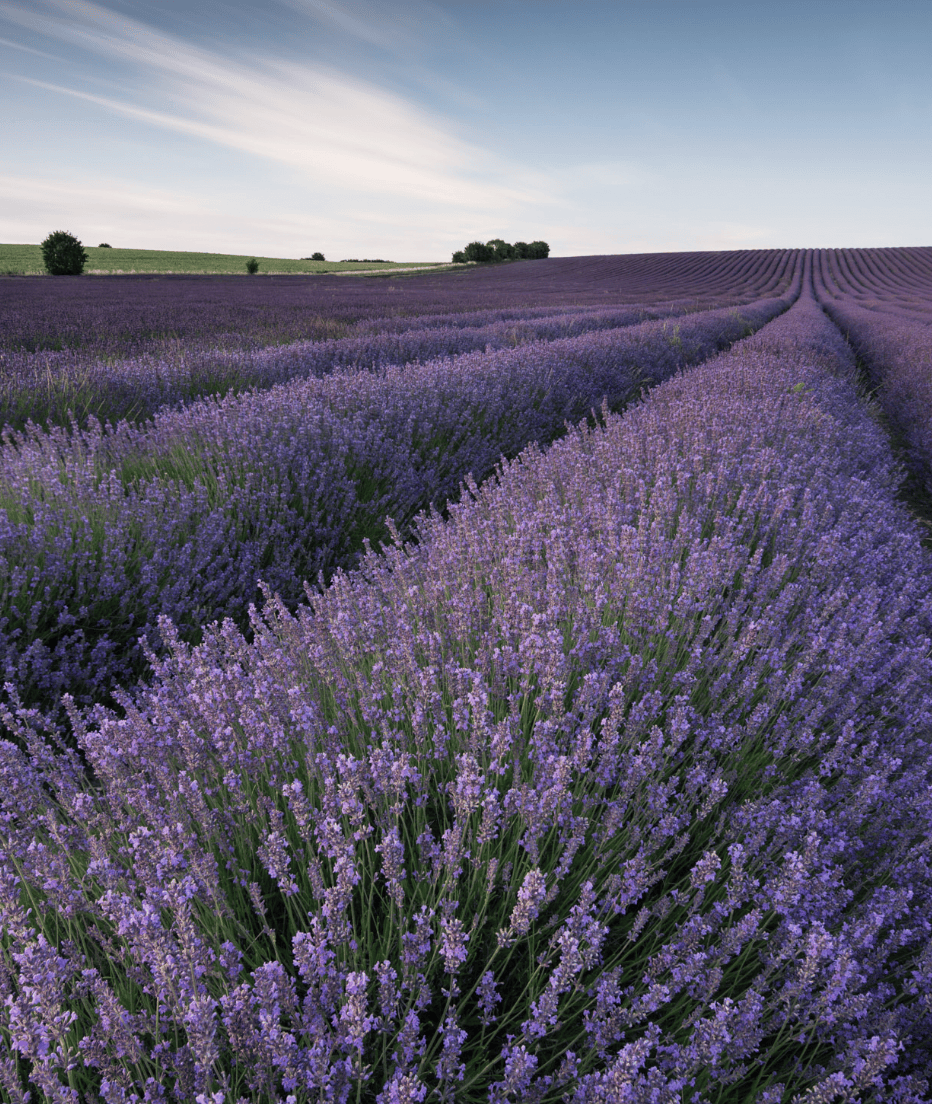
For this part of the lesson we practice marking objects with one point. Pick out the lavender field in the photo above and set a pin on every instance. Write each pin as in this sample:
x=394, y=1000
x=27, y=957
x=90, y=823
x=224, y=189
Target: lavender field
x=505, y=686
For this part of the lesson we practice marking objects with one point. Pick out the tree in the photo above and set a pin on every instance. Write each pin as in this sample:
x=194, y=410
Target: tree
x=477, y=251
x=63, y=254
x=498, y=250
x=105, y=245
x=318, y=257
x=501, y=250
x=252, y=266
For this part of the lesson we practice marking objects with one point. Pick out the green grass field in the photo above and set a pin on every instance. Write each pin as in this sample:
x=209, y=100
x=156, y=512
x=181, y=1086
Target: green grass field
x=26, y=260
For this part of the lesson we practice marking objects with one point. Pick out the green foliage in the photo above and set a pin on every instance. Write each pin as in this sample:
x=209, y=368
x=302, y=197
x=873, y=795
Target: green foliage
x=501, y=250
x=479, y=252
x=252, y=266
x=531, y=252
x=497, y=250
x=63, y=254
x=105, y=245
x=318, y=257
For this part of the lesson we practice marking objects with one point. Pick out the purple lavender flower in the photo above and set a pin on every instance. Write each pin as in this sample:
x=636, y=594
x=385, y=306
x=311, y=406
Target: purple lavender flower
x=453, y=940
x=488, y=996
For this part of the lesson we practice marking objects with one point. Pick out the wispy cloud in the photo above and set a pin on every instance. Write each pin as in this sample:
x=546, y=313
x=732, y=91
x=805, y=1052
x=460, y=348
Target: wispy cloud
x=33, y=206
x=404, y=34
x=27, y=49
x=24, y=189
x=336, y=129
x=395, y=28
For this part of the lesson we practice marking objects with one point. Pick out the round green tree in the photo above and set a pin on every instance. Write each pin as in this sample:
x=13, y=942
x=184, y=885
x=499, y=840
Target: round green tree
x=480, y=252
x=501, y=250
x=252, y=266
x=63, y=254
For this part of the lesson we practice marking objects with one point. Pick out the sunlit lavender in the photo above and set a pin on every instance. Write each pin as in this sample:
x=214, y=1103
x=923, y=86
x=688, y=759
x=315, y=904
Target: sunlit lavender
x=530, y=702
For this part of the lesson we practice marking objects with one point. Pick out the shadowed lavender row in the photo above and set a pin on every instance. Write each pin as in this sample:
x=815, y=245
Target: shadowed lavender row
x=469, y=319
x=665, y=307
x=104, y=529
x=49, y=388
x=896, y=349
x=613, y=787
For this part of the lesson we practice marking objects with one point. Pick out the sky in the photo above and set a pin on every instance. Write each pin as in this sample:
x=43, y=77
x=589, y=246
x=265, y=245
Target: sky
x=405, y=130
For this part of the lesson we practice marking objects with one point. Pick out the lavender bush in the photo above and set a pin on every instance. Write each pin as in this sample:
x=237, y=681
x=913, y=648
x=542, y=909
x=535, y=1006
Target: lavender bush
x=60, y=388
x=107, y=528
x=613, y=786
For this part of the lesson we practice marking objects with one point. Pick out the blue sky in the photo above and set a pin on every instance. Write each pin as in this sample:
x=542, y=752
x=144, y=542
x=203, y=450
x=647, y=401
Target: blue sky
x=364, y=128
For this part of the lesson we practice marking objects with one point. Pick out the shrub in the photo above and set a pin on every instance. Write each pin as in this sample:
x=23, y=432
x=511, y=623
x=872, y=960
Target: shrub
x=252, y=266
x=498, y=250
x=501, y=250
x=105, y=245
x=533, y=251
x=477, y=251
x=63, y=254
x=318, y=257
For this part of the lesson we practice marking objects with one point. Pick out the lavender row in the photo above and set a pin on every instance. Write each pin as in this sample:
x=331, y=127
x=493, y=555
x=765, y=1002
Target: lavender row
x=127, y=315
x=897, y=354
x=612, y=787
x=470, y=318
x=104, y=529
x=159, y=341
x=898, y=275
x=54, y=388
x=668, y=306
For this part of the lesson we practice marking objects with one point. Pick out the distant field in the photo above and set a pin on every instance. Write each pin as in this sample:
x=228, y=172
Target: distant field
x=26, y=260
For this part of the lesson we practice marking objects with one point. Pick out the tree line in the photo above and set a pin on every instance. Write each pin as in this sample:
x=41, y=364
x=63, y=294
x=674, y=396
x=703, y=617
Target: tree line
x=498, y=250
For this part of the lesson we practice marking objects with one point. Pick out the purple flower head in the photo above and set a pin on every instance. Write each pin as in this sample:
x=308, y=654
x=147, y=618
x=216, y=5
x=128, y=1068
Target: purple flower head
x=530, y=897
x=453, y=940
x=404, y=1088
x=520, y=1065
x=449, y=1067
x=488, y=996
x=354, y=1018
x=393, y=854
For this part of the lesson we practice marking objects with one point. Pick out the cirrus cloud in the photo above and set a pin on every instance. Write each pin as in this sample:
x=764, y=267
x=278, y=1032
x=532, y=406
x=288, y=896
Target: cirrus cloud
x=335, y=129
